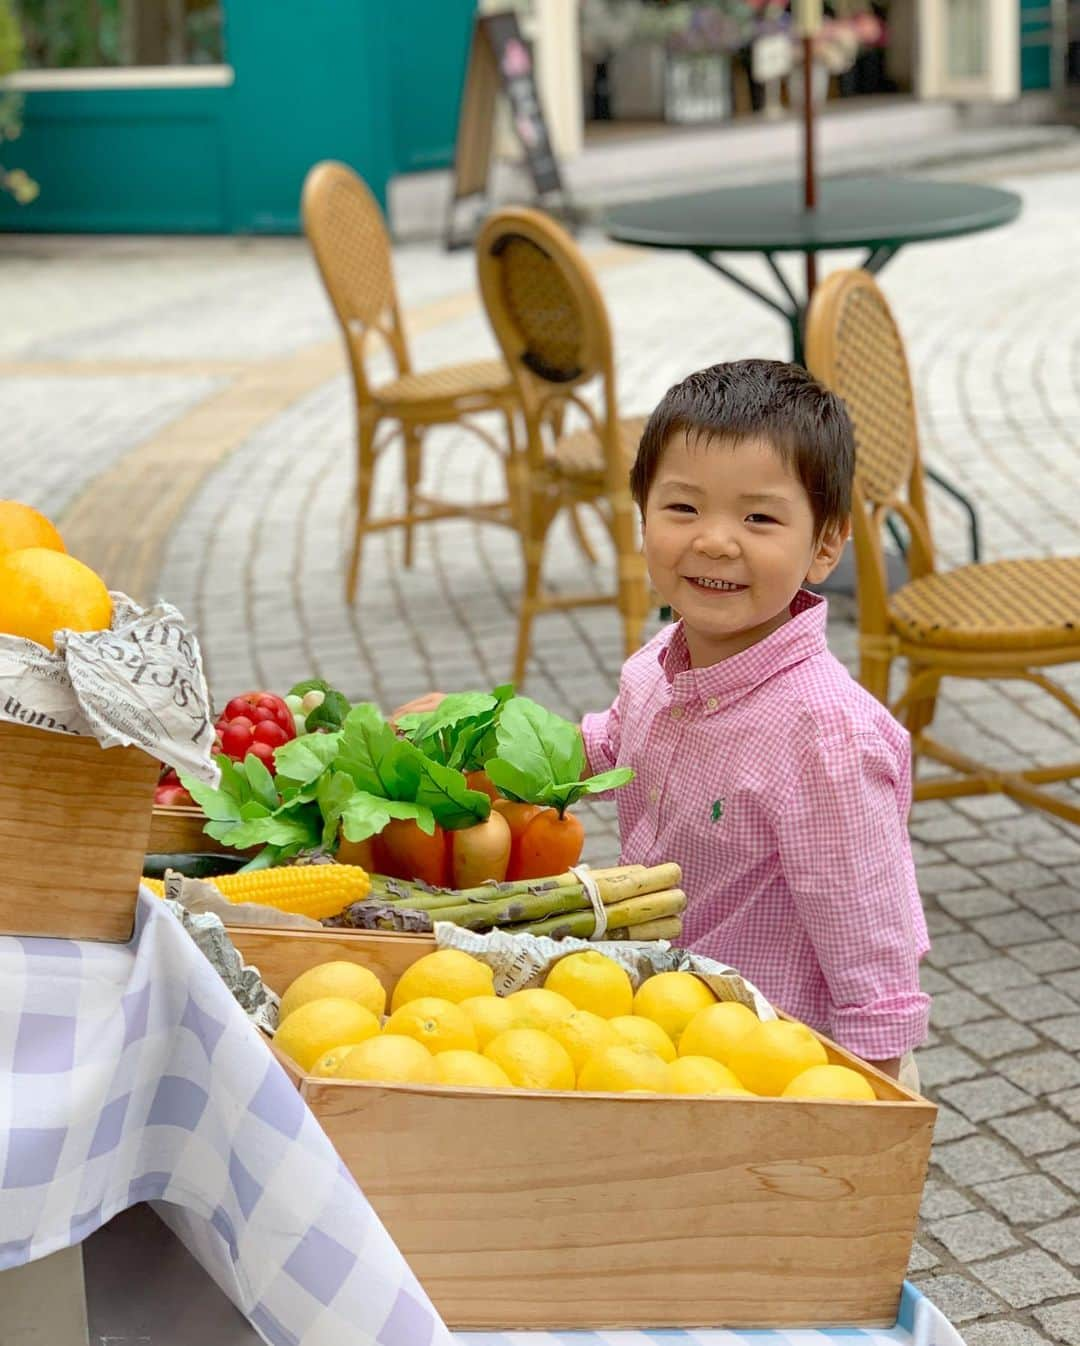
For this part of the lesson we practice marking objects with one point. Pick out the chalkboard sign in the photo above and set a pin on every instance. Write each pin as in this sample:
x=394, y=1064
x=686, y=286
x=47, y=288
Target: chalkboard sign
x=500, y=62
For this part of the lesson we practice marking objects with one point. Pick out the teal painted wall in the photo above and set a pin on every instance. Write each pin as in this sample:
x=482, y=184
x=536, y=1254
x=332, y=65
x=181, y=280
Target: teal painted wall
x=375, y=83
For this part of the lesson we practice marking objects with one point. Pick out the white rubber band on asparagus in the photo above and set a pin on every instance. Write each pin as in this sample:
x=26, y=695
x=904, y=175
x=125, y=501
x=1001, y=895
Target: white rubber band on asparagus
x=592, y=892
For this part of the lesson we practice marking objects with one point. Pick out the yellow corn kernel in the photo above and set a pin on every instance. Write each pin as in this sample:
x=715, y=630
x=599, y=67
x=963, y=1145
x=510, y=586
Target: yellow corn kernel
x=156, y=886
x=317, y=891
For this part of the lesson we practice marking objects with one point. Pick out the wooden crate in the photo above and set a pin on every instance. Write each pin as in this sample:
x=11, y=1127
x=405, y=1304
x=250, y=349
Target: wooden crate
x=540, y=1210
x=74, y=820
x=179, y=831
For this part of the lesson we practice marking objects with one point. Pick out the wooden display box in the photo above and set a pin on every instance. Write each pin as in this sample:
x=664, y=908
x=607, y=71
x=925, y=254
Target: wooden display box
x=74, y=822
x=179, y=831
x=547, y=1211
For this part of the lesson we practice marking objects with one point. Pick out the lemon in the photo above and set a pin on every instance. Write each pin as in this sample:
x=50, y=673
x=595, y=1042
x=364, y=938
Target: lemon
x=314, y=1028
x=644, y=1032
x=389, y=1060
x=671, y=999
x=532, y=1059
x=470, y=1068
x=539, y=1008
x=701, y=1075
x=438, y=1025
x=583, y=1034
x=769, y=1057
x=592, y=981
x=328, y=1065
x=714, y=1030
x=489, y=1016
x=339, y=978
x=627, y=1068
x=448, y=974
x=831, y=1082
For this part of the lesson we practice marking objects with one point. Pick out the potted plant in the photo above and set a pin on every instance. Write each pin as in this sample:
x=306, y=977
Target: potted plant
x=15, y=181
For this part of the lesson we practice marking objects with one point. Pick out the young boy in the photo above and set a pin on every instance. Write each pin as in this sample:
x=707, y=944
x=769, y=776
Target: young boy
x=778, y=784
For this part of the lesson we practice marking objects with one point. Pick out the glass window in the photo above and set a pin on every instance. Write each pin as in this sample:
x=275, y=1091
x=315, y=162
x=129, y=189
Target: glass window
x=77, y=34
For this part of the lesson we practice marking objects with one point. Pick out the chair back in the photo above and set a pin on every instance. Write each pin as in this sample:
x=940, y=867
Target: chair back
x=854, y=347
x=550, y=321
x=348, y=236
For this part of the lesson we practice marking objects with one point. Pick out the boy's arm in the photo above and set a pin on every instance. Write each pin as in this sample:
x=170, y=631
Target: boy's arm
x=844, y=850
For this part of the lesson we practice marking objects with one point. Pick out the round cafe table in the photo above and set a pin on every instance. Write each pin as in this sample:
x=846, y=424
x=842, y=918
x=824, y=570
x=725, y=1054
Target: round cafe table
x=879, y=215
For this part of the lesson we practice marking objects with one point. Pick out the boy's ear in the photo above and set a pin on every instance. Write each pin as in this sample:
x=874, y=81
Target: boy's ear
x=827, y=552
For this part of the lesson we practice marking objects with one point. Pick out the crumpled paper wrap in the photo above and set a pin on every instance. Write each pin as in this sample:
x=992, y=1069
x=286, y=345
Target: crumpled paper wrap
x=522, y=961
x=140, y=683
x=254, y=997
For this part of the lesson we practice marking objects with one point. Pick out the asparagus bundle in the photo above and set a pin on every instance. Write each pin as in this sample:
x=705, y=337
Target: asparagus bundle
x=641, y=903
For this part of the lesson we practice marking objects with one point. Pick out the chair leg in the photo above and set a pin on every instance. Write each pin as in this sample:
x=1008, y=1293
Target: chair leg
x=580, y=536
x=412, y=437
x=541, y=510
x=874, y=675
x=365, y=477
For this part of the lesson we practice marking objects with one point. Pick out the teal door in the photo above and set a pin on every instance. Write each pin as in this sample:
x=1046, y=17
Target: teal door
x=1036, y=43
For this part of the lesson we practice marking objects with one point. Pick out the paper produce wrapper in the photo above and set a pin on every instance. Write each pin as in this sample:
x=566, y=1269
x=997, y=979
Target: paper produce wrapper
x=140, y=683
x=522, y=961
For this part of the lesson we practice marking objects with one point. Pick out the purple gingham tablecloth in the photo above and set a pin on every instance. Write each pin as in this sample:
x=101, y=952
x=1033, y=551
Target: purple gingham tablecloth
x=128, y=1073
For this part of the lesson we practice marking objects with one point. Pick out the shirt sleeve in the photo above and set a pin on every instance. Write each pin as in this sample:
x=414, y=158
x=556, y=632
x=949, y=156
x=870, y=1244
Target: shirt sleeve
x=846, y=855
x=600, y=733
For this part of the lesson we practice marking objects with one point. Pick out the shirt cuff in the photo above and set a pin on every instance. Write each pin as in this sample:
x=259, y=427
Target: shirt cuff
x=883, y=1031
x=597, y=746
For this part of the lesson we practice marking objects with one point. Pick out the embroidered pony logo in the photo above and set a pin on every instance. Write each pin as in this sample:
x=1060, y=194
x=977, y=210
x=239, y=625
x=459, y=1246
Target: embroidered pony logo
x=717, y=811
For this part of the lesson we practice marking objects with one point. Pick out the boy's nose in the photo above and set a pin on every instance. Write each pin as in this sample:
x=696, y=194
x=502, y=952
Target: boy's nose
x=716, y=543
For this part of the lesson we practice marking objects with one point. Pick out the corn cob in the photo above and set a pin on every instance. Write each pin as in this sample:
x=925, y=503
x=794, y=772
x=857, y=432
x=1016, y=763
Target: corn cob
x=156, y=886
x=317, y=891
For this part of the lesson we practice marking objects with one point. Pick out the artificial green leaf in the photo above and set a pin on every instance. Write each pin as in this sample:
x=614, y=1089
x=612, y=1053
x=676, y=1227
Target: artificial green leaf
x=304, y=759
x=309, y=685
x=283, y=831
x=330, y=713
x=218, y=805
x=369, y=751
x=607, y=780
x=365, y=815
x=451, y=711
x=509, y=780
x=447, y=794
x=406, y=724
x=233, y=780
x=333, y=792
x=254, y=808
x=261, y=781
x=543, y=747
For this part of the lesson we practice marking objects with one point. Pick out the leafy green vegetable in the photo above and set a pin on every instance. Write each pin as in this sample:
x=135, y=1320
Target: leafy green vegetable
x=330, y=714
x=304, y=759
x=366, y=815
x=541, y=758
x=446, y=793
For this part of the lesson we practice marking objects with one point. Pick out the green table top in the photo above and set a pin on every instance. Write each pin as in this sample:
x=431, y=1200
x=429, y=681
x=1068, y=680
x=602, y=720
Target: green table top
x=851, y=212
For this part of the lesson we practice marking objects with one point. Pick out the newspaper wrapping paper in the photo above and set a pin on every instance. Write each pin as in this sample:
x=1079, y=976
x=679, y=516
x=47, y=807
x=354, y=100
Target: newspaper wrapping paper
x=140, y=683
x=521, y=961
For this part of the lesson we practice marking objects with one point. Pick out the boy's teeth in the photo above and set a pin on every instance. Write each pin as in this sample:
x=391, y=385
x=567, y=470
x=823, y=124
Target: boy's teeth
x=717, y=584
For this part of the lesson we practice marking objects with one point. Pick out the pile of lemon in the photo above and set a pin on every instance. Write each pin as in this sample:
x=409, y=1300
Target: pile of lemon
x=586, y=1028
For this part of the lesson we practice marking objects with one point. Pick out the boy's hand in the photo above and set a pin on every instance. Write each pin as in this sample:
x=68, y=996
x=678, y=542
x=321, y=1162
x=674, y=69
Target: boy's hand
x=420, y=705
x=891, y=1067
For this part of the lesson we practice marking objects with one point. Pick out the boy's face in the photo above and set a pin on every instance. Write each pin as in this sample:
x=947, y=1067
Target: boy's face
x=729, y=539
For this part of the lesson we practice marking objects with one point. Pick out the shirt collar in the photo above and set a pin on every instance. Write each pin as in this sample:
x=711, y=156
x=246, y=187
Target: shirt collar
x=719, y=685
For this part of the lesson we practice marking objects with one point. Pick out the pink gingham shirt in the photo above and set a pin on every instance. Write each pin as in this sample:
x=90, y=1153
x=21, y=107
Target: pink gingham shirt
x=782, y=788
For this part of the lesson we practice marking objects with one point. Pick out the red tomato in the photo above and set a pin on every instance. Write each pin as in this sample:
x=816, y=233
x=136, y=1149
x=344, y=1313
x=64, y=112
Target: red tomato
x=264, y=753
x=269, y=731
x=236, y=738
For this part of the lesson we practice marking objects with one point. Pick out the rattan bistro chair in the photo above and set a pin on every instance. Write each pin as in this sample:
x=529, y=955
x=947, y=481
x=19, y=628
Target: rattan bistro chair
x=999, y=619
x=348, y=236
x=550, y=321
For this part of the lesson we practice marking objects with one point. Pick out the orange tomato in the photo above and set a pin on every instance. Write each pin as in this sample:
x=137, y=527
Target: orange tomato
x=550, y=845
x=403, y=851
x=480, y=853
x=518, y=816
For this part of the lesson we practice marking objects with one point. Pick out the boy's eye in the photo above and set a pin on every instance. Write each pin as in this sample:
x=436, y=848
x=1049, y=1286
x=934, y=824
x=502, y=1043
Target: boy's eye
x=760, y=518
x=681, y=507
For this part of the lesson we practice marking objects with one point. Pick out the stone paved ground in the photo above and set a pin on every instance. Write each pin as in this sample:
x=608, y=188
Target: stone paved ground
x=207, y=373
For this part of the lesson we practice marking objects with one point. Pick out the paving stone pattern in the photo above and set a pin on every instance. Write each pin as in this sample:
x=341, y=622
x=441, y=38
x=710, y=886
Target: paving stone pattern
x=256, y=559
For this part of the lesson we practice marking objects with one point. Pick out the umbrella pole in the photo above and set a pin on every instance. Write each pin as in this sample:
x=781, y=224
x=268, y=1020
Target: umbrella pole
x=809, y=166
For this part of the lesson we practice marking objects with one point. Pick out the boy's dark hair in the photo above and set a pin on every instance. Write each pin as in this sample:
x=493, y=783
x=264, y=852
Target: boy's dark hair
x=760, y=399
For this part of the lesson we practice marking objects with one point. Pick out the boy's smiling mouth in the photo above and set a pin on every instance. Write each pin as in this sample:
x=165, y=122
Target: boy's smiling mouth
x=715, y=586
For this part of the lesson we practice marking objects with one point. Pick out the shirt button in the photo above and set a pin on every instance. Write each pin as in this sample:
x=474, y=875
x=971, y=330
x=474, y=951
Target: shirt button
x=654, y=795
x=676, y=712
x=712, y=703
